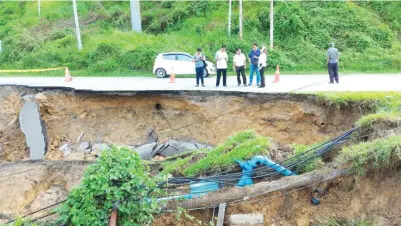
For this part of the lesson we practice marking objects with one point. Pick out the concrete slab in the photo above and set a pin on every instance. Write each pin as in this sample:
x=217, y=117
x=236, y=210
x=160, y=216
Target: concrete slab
x=253, y=219
x=34, y=130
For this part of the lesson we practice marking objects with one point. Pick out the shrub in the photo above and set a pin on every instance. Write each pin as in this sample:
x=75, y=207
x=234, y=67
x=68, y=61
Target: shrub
x=118, y=176
x=138, y=59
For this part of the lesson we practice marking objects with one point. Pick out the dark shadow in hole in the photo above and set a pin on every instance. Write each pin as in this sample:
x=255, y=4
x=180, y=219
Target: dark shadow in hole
x=158, y=107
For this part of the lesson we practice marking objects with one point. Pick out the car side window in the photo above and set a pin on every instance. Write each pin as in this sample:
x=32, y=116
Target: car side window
x=169, y=57
x=182, y=57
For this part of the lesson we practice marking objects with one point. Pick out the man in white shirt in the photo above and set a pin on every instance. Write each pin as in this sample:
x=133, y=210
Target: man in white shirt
x=239, y=66
x=221, y=65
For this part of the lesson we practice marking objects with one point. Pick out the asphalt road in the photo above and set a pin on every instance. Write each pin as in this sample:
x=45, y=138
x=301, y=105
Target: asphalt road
x=288, y=83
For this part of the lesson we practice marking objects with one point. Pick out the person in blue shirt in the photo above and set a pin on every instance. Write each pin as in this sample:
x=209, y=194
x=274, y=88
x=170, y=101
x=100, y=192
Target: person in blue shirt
x=254, y=61
x=199, y=59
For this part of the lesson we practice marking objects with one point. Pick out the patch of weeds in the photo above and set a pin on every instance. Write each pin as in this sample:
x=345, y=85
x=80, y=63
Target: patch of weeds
x=378, y=154
x=358, y=222
x=307, y=166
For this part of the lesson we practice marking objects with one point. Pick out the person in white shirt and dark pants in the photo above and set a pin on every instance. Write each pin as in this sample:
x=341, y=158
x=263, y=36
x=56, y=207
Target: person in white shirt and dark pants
x=262, y=66
x=221, y=58
x=239, y=66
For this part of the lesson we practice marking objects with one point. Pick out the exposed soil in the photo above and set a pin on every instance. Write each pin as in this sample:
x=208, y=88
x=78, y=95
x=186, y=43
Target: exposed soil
x=377, y=194
x=209, y=117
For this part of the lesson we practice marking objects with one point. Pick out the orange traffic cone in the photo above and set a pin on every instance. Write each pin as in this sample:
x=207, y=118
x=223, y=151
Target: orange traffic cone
x=68, y=77
x=277, y=75
x=172, y=76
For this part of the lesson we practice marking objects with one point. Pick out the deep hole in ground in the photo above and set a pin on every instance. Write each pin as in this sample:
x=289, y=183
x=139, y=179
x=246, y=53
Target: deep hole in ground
x=209, y=117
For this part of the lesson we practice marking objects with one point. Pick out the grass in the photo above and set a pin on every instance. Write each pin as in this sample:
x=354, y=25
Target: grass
x=366, y=34
x=358, y=222
x=242, y=146
x=377, y=154
x=307, y=166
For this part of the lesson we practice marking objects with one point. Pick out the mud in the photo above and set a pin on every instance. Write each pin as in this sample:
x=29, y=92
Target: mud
x=349, y=198
x=209, y=117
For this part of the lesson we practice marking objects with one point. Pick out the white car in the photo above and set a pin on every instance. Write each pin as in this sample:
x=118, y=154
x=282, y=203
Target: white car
x=181, y=63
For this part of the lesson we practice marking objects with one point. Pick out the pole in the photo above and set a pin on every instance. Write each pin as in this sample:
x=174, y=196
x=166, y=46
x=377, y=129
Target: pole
x=240, y=19
x=229, y=17
x=271, y=23
x=39, y=8
x=77, y=31
x=136, y=22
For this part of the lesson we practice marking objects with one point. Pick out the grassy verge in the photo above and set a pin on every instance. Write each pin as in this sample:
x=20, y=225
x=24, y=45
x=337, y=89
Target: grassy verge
x=377, y=154
x=242, y=146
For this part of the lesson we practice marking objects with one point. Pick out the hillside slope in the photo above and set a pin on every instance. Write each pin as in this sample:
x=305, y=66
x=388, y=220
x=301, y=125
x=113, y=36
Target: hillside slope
x=367, y=34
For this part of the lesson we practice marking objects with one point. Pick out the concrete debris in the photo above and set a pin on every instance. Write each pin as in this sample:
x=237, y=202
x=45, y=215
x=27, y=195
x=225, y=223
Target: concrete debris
x=98, y=148
x=246, y=219
x=65, y=149
x=83, y=146
x=174, y=147
x=159, y=158
x=152, y=136
x=34, y=129
x=145, y=151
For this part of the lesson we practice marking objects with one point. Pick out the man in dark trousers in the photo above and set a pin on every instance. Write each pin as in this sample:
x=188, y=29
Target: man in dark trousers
x=254, y=60
x=332, y=63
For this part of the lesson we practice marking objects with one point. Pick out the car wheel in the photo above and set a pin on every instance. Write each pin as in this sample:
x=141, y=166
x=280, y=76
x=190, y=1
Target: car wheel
x=161, y=73
x=205, y=73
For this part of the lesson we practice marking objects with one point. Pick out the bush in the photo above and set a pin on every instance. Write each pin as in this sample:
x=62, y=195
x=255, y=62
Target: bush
x=309, y=165
x=138, y=59
x=118, y=176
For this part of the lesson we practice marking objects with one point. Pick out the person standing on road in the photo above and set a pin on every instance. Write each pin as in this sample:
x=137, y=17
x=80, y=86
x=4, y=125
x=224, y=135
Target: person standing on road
x=239, y=66
x=332, y=63
x=199, y=59
x=254, y=60
x=221, y=65
x=262, y=66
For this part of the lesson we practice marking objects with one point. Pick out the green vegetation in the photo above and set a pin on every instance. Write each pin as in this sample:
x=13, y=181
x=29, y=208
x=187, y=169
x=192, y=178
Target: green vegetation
x=366, y=33
x=360, y=222
x=118, y=177
x=309, y=165
x=377, y=154
x=242, y=146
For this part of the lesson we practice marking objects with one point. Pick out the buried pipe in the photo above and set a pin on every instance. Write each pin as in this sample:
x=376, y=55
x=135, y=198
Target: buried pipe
x=248, y=166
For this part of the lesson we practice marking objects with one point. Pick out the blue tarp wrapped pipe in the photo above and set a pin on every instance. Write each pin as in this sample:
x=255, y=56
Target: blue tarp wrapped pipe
x=248, y=166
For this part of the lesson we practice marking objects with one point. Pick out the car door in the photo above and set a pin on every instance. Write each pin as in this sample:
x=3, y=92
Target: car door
x=185, y=64
x=169, y=62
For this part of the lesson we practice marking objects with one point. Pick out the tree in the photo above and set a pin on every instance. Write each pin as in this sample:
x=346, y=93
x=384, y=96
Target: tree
x=136, y=21
x=240, y=19
x=118, y=178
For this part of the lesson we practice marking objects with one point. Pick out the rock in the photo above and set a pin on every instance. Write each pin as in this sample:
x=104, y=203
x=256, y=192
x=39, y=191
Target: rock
x=83, y=146
x=76, y=156
x=246, y=219
x=49, y=197
x=159, y=158
x=65, y=149
x=34, y=129
x=40, y=97
x=83, y=115
x=381, y=221
x=152, y=136
x=145, y=151
x=98, y=148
